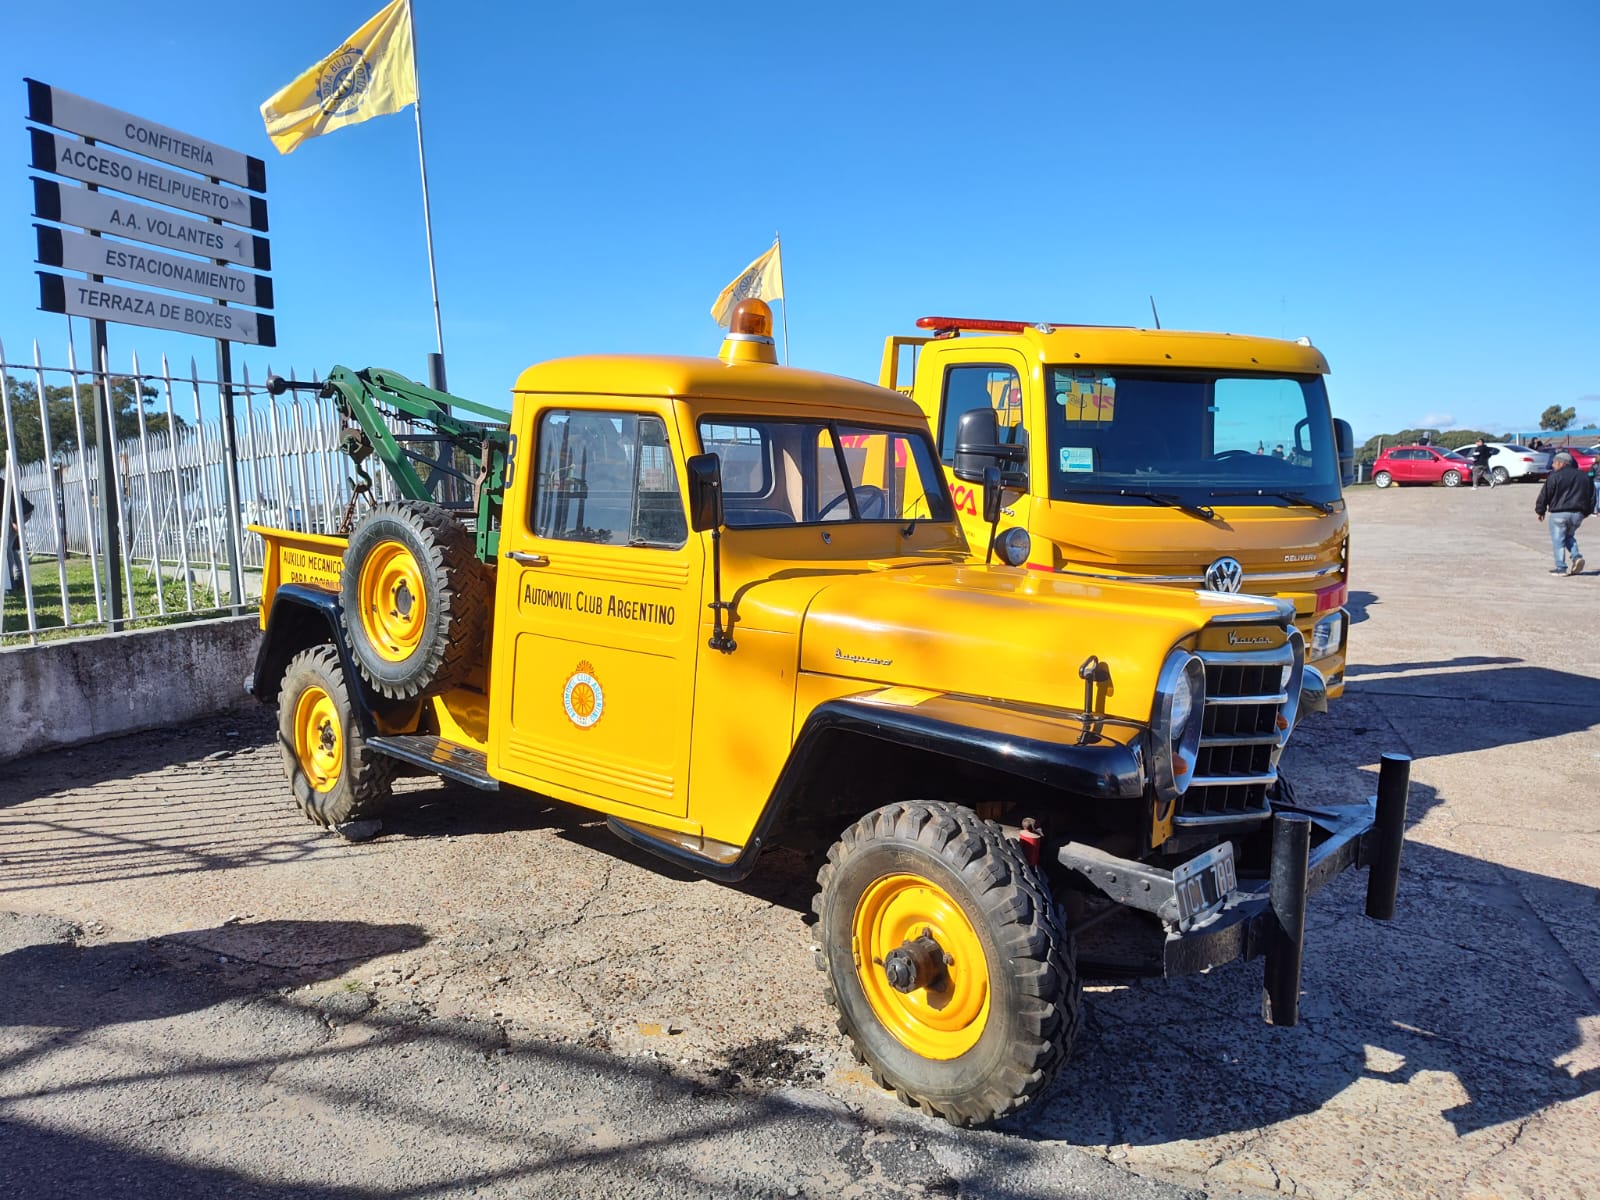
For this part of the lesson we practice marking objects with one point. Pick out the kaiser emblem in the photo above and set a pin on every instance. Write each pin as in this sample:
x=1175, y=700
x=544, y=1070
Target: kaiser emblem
x=1224, y=575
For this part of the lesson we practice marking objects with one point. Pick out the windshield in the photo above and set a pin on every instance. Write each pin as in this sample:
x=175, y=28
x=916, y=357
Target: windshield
x=1117, y=435
x=788, y=472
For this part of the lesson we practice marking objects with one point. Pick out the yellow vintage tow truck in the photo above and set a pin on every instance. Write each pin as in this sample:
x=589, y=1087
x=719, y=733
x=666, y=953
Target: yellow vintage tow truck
x=728, y=605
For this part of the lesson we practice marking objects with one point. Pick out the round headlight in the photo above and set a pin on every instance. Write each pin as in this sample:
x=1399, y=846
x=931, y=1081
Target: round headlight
x=1182, y=708
x=1014, y=546
x=1175, y=724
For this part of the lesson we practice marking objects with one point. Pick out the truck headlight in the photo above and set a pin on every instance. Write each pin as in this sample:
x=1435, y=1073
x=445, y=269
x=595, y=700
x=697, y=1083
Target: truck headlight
x=1325, y=636
x=1175, y=723
x=1014, y=546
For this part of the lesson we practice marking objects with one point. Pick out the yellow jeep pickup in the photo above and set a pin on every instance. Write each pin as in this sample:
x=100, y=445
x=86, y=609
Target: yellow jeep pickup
x=729, y=605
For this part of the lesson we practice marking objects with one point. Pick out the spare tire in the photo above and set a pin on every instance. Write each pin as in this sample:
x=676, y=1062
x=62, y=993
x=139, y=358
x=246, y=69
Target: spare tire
x=414, y=599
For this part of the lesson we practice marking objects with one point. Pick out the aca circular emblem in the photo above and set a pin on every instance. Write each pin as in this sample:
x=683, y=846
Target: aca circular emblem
x=342, y=83
x=583, y=697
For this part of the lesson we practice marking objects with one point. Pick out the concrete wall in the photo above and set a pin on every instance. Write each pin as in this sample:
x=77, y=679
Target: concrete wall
x=79, y=689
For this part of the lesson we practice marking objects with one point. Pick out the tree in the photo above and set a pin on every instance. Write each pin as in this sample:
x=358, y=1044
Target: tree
x=1555, y=418
x=127, y=395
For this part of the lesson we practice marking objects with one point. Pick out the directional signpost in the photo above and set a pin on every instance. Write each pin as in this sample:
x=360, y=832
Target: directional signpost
x=103, y=213
x=105, y=148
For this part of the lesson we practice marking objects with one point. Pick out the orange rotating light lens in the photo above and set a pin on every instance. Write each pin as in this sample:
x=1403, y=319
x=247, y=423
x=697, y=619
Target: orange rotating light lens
x=751, y=316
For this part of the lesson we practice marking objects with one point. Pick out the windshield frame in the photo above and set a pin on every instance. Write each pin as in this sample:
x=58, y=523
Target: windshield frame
x=923, y=459
x=1309, y=467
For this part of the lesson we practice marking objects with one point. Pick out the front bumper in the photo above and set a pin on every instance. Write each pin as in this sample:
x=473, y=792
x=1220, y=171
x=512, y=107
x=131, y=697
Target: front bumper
x=1311, y=846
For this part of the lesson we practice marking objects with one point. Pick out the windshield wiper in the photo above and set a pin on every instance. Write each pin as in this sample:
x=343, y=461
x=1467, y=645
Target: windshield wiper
x=1321, y=506
x=1167, y=498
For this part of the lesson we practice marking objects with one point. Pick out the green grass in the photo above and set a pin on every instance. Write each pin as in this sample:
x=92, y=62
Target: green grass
x=47, y=602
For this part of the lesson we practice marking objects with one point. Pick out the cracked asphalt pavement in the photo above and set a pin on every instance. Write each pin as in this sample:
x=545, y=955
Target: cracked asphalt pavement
x=202, y=995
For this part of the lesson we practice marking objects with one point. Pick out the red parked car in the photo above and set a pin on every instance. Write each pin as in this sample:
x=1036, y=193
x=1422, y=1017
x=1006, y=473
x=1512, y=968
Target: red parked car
x=1421, y=464
x=1584, y=460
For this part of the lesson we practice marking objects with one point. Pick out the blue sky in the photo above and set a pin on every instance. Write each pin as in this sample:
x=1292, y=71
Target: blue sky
x=1414, y=186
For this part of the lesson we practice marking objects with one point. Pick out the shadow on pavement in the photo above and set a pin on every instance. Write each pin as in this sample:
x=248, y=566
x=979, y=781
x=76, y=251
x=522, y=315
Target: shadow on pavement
x=60, y=983
x=1357, y=603
x=1479, y=979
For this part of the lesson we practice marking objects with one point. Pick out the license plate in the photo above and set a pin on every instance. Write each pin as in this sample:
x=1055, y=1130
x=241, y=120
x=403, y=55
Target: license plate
x=1203, y=884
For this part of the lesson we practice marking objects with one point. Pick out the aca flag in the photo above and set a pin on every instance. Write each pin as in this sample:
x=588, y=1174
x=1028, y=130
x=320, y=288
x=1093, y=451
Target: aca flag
x=374, y=72
x=762, y=279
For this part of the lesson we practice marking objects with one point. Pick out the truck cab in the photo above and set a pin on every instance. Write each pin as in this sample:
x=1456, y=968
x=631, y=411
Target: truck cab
x=1189, y=460
x=728, y=605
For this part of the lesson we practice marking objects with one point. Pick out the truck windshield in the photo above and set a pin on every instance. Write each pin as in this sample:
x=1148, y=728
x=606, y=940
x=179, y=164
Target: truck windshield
x=787, y=472
x=1193, y=435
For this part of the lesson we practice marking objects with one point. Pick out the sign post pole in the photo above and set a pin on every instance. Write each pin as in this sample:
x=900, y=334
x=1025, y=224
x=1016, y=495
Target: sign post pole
x=105, y=436
x=230, y=457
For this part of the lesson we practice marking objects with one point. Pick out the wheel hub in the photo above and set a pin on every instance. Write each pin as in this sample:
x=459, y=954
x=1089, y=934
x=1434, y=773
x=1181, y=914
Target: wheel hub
x=915, y=964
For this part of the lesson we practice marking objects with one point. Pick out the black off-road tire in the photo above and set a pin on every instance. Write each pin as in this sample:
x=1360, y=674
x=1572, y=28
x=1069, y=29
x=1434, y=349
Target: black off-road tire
x=360, y=788
x=449, y=638
x=1034, y=990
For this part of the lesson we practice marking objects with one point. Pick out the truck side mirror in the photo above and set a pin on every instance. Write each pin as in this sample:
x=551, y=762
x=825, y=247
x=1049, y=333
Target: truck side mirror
x=1345, y=438
x=705, y=492
x=977, y=434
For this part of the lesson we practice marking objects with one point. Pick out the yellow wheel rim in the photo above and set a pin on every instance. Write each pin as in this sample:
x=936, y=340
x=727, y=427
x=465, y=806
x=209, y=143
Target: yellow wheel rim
x=945, y=1018
x=394, y=606
x=318, y=738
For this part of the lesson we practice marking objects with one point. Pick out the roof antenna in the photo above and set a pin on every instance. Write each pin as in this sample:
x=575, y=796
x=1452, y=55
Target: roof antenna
x=1154, y=313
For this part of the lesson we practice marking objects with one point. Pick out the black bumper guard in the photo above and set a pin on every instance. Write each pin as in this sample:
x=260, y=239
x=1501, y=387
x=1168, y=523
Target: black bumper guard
x=1267, y=916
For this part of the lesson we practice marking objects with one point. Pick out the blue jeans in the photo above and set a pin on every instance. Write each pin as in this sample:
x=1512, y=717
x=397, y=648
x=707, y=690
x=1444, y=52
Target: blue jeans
x=1564, y=536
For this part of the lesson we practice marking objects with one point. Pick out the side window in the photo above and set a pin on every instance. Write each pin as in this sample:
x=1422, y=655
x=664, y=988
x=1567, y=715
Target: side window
x=607, y=478
x=980, y=386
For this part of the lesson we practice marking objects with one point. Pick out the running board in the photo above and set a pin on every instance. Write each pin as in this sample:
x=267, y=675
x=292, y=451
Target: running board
x=432, y=753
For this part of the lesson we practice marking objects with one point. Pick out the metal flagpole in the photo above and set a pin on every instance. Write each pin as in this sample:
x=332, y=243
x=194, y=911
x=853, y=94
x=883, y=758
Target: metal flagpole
x=436, y=376
x=778, y=241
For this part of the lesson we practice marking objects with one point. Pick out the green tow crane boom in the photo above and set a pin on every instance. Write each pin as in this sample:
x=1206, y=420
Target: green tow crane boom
x=369, y=399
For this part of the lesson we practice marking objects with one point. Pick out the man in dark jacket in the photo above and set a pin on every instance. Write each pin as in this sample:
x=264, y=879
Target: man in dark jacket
x=11, y=573
x=1481, y=454
x=1568, y=496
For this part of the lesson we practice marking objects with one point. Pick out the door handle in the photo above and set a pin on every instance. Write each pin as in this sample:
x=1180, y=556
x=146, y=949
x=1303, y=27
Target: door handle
x=527, y=560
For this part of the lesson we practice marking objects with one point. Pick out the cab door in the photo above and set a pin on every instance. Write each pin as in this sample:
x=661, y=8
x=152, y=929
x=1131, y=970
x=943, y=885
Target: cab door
x=596, y=613
x=976, y=378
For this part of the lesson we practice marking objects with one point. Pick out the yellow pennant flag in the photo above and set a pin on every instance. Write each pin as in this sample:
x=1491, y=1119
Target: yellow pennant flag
x=762, y=279
x=372, y=73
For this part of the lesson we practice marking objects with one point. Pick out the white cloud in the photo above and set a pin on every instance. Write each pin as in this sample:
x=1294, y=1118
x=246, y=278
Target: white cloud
x=1436, y=421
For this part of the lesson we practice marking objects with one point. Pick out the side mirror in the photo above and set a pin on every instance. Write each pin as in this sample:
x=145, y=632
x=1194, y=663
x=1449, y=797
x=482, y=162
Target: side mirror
x=705, y=492
x=991, y=495
x=1345, y=438
x=977, y=433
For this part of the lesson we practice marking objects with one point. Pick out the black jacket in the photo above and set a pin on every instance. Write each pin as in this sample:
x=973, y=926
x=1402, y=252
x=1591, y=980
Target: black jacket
x=1566, y=490
x=1481, y=455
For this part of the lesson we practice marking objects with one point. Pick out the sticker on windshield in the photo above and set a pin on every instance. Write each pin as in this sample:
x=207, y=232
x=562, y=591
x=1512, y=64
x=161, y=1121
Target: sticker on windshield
x=1077, y=458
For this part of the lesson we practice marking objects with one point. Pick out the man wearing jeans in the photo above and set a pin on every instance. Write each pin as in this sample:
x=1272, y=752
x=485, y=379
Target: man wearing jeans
x=1568, y=496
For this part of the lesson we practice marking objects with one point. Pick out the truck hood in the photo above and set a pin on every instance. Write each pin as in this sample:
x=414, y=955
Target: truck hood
x=1005, y=633
x=1282, y=550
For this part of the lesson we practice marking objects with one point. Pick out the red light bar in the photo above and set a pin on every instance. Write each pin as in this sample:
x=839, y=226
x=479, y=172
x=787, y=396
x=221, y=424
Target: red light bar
x=974, y=324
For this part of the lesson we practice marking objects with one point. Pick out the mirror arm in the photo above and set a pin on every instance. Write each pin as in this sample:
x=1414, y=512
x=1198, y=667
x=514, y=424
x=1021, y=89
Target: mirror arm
x=721, y=639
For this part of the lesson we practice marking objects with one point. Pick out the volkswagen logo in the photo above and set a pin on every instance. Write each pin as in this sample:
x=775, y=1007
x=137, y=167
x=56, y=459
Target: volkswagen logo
x=1224, y=575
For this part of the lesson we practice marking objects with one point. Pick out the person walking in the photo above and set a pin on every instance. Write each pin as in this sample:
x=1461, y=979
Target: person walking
x=11, y=573
x=1568, y=497
x=1481, y=454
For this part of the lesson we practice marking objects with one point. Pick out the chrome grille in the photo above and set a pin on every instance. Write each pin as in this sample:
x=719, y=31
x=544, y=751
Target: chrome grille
x=1239, y=736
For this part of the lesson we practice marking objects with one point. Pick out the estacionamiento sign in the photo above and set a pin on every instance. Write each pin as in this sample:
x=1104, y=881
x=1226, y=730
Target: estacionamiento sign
x=95, y=161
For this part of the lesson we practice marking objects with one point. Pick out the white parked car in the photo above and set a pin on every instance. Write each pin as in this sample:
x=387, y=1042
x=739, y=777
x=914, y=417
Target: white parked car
x=1512, y=461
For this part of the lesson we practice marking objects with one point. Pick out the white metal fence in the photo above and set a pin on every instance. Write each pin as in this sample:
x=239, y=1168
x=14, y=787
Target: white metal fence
x=169, y=488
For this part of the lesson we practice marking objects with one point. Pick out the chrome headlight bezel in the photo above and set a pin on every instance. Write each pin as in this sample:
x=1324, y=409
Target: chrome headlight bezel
x=1293, y=678
x=1175, y=745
